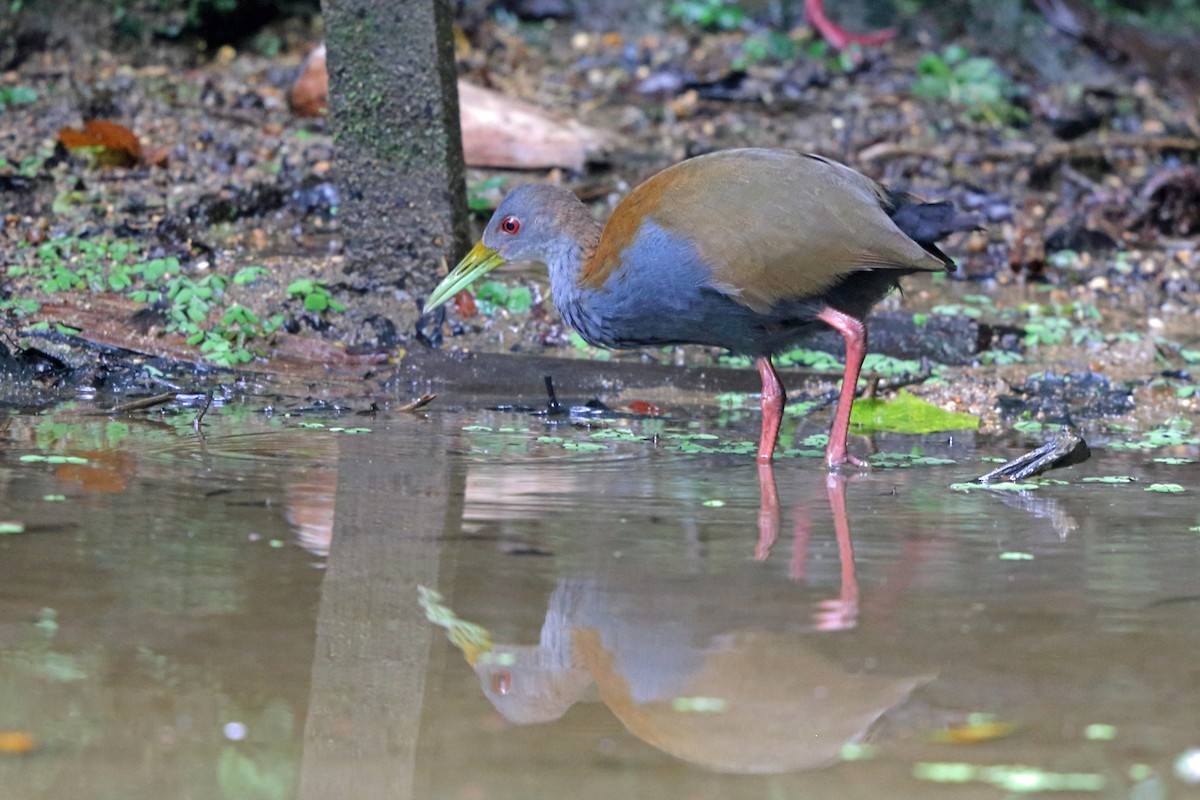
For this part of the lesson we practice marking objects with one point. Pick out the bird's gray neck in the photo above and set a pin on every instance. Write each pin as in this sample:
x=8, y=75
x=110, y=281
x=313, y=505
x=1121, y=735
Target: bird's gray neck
x=569, y=252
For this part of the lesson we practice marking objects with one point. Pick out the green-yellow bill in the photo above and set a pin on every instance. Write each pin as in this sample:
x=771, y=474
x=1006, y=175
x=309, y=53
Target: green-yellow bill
x=475, y=264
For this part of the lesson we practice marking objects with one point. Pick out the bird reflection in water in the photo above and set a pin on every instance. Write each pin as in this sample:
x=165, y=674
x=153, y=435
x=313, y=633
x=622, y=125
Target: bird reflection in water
x=840, y=613
x=733, y=699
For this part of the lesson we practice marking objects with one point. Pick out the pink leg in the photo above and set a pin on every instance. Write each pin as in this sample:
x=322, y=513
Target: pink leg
x=773, y=398
x=800, y=532
x=838, y=37
x=841, y=614
x=855, y=333
x=768, y=512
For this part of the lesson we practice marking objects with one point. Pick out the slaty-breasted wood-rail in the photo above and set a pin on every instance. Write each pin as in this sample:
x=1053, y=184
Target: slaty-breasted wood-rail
x=744, y=249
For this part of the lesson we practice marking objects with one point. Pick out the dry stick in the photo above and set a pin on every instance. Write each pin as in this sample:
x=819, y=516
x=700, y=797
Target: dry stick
x=552, y=404
x=420, y=402
x=145, y=402
x=208, y=401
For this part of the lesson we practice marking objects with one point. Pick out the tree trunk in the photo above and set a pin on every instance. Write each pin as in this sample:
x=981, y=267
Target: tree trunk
x=394, y=112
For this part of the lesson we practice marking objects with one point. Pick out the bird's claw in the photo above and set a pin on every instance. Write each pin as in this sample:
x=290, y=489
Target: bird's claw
x=836, y=614
x=837, y=462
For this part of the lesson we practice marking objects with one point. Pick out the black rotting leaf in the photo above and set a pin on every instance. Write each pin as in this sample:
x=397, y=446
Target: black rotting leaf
x=1075, y=235
x=253, y=201
x=1065, y=398
x=1170, y=202
x=429, y=328
x=376, y=334
x=315, y=197
x=31, y=363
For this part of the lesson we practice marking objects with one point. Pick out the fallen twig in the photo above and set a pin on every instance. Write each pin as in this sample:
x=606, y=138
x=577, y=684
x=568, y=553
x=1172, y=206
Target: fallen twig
x=143, y=403
x=1065, y=449
x=420, y=402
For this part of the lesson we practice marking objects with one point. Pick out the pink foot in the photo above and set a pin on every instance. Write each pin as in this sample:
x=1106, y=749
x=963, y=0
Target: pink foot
x=838, y=37
x=834, y=461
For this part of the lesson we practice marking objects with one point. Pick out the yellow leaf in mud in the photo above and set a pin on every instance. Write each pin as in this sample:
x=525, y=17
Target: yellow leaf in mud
x=16, y=742
x=973, y=732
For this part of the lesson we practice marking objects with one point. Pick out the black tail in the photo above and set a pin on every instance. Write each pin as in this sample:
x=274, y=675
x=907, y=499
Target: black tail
x=926, y=223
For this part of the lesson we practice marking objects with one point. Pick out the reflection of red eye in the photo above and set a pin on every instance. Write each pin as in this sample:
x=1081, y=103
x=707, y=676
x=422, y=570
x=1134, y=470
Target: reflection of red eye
x=510, y=224
x=501, y=682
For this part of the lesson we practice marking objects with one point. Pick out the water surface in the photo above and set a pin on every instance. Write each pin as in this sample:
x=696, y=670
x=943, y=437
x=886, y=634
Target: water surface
x=263, y=612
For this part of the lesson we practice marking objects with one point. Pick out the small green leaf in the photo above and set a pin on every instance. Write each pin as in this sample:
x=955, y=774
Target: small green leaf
x=302, y=286
x=249, y=274
x=1099, y=732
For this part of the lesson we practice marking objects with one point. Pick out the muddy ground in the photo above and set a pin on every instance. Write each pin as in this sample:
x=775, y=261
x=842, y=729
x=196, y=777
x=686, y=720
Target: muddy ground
x=1076, y=302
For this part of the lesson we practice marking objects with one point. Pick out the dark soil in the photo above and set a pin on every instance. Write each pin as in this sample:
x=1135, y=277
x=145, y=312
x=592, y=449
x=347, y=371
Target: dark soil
x=1085, y=175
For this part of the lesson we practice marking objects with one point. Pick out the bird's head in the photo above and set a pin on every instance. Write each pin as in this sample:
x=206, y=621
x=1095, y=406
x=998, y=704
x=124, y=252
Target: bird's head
x=531, y=224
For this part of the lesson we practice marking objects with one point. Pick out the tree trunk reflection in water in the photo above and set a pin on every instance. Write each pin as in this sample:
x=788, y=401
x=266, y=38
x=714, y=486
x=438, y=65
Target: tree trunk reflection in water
x=373, y=642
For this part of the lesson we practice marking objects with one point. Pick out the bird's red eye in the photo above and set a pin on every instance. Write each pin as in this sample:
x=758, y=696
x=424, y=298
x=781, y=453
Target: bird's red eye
x=510, y=224
x=502, y=682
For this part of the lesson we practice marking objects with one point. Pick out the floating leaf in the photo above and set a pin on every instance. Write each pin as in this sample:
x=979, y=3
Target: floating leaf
x=803, y=453
x=909, y=414
x=699, y=705
x=857, y=751
x=1013, y=778
x=1002, y=486
x=1165, y=488
x=1110, y=479
x=1100, y=732
x=615, y=433
x=584, y=447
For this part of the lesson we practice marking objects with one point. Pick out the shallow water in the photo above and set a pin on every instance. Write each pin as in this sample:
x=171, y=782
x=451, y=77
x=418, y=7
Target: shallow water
x=262, y=612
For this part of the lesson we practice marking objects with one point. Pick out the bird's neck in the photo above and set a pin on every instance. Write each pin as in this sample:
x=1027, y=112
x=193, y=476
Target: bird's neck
x=571, y=250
